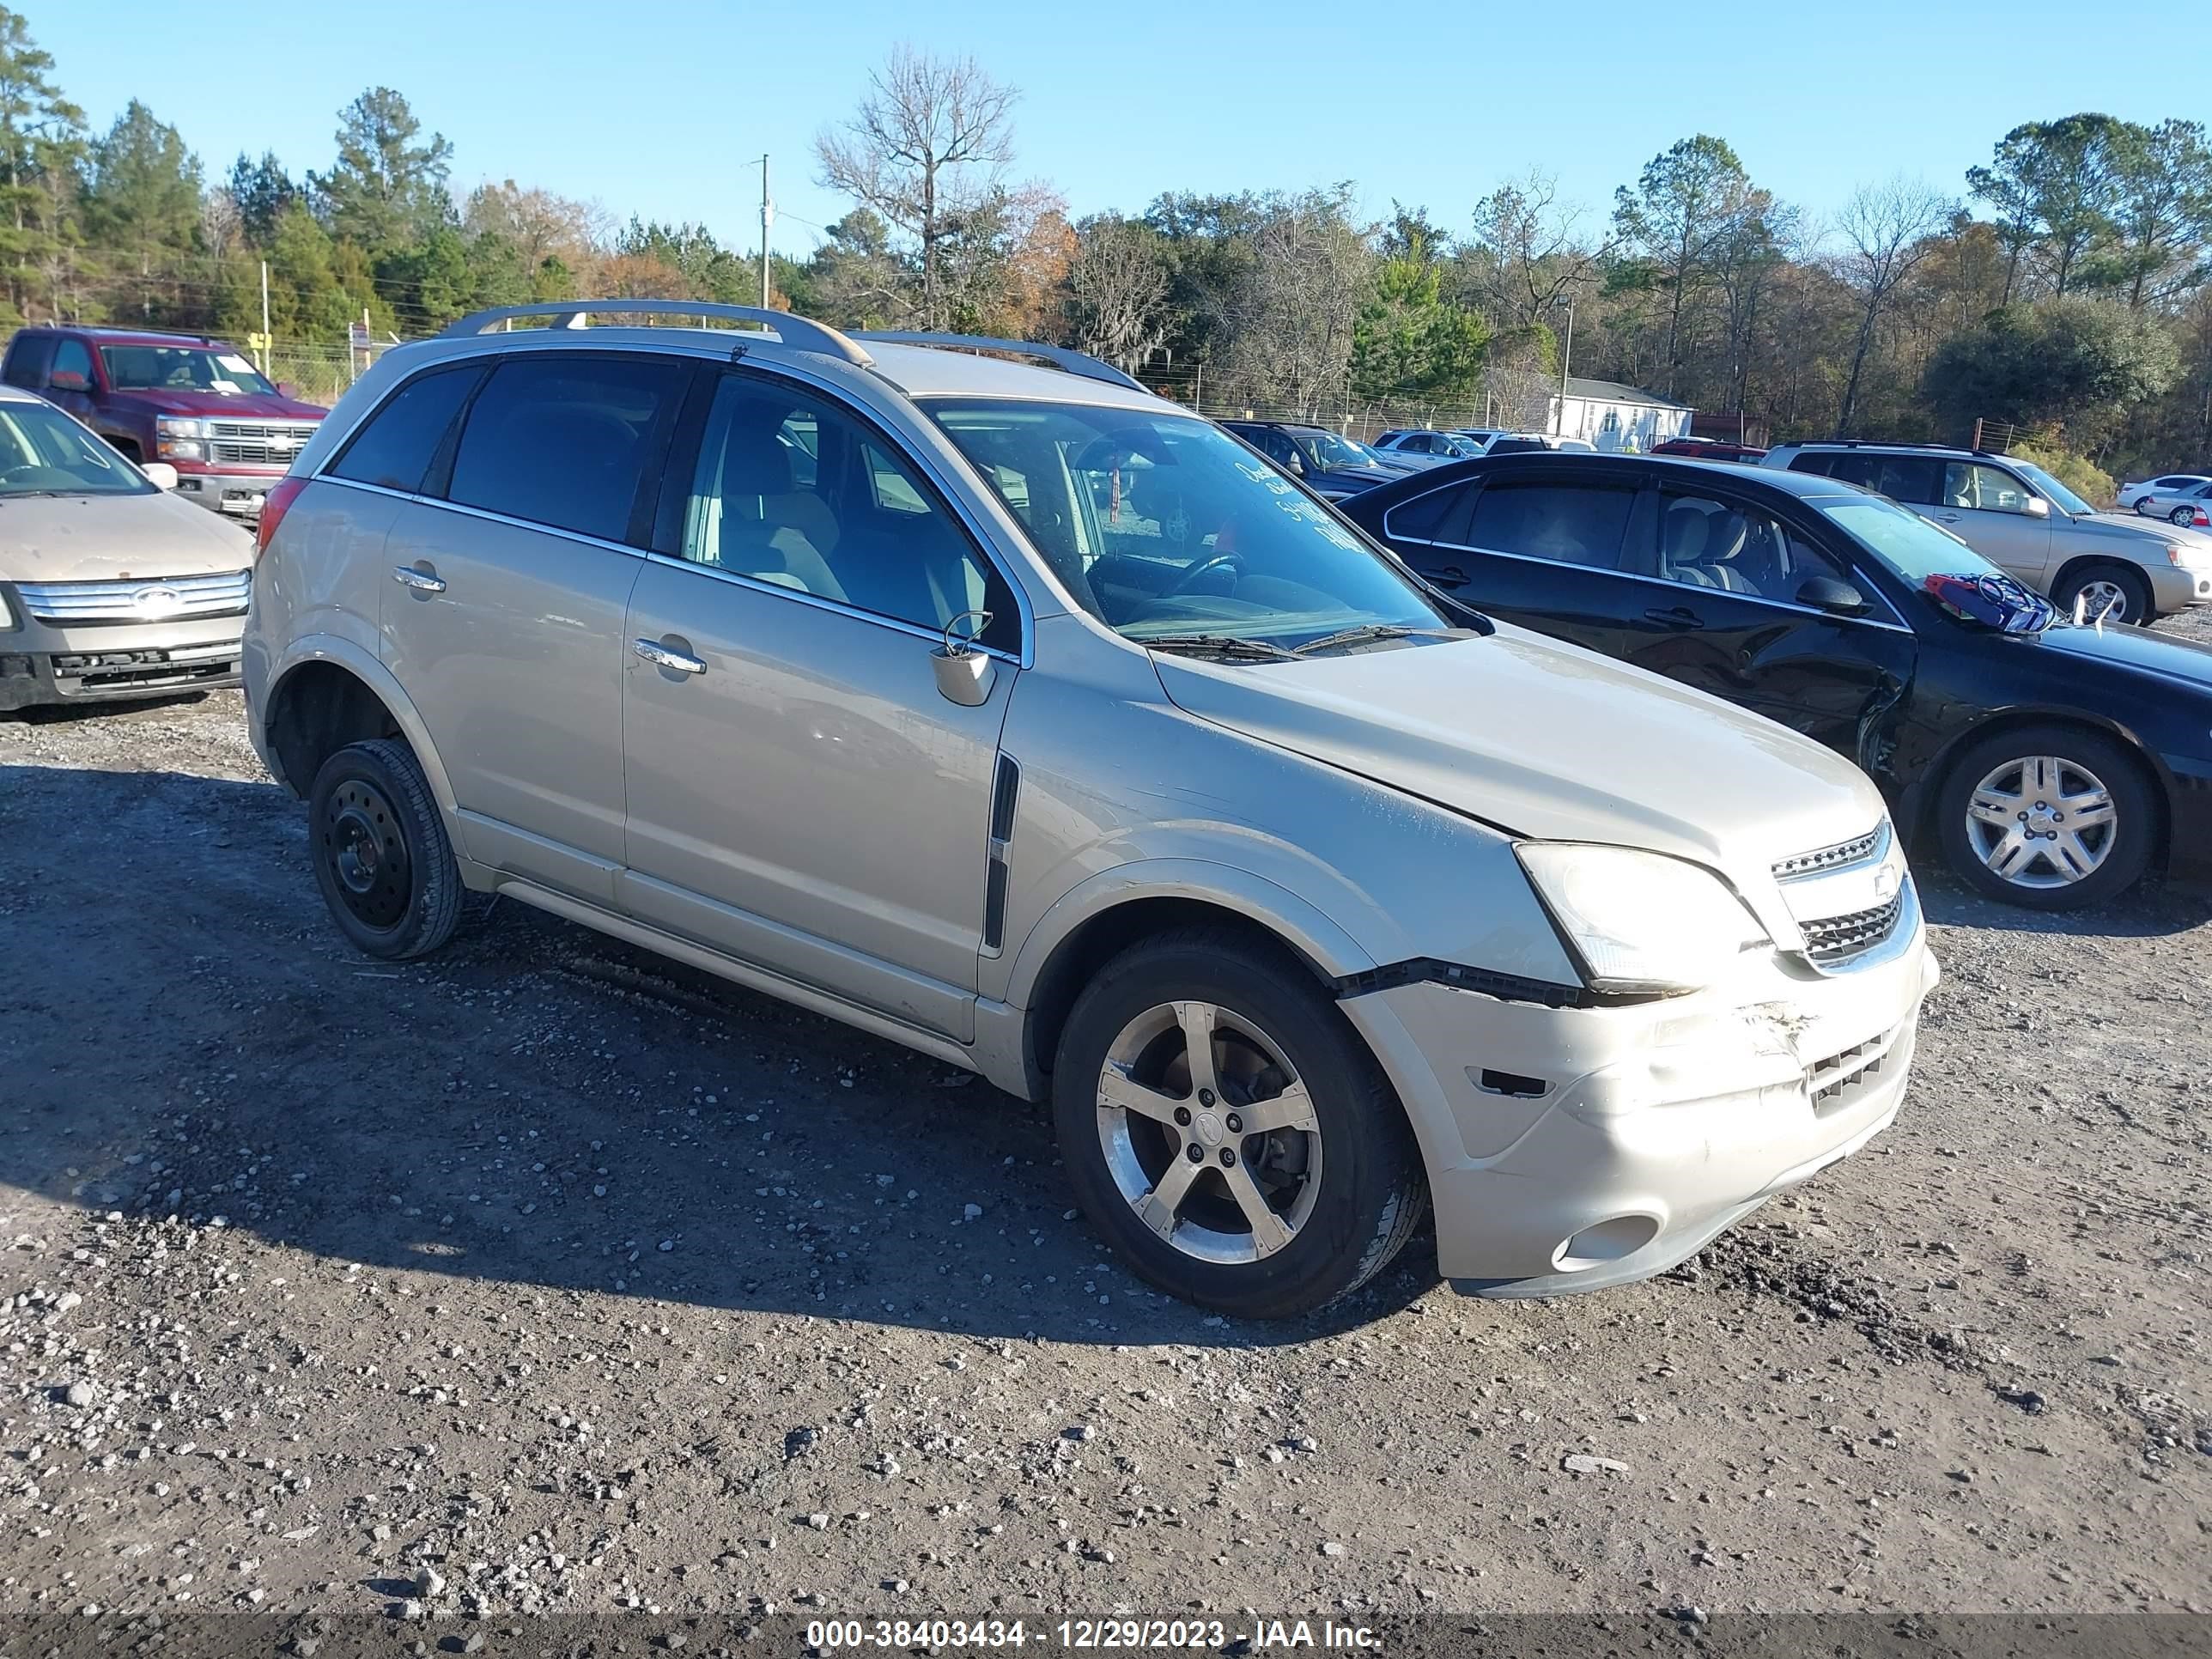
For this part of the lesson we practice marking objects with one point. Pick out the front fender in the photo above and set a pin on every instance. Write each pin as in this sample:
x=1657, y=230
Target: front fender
x=1307, y=929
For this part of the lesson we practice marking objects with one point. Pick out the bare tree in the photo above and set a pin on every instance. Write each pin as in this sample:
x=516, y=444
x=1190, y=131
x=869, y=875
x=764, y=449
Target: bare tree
x=1888, y=229
x=543, y=225
x=1528, y=253
x=1118, y=290
x=1292, y=313
x=926, y=151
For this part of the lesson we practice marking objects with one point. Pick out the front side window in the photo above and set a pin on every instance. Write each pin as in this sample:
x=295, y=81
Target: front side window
x=791, y=491
x=568, y=441
x=1707, y=543
x=72, y=368
x=395, y=445
x=1163, y=525
x=1567, y=524
x=182, y=368
x=2063, y=498
x=1983, y=488
x=43, y=453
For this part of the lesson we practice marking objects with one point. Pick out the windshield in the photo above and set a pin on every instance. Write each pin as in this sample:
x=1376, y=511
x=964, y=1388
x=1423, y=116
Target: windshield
x=1331, y=450
x=1915, y=549
x=43, y=453
x=2065, y=499
x=181, y=369
x=1163, y=525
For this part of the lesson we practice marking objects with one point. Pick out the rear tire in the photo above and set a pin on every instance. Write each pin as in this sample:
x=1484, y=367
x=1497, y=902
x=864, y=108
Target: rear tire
x=2103, y=581
x=1290, y=1183
x=2182, y=516
x=381, y=855
x=2050, y=817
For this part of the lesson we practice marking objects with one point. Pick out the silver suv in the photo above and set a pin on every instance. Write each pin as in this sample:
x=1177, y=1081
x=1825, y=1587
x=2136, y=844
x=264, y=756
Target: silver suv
x=1004, y=710
x=2022, y=519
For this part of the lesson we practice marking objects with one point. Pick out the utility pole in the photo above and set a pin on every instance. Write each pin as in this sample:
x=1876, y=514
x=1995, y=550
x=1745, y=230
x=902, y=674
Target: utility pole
x=266, y=343
x=1566, y=358
x=768, y=213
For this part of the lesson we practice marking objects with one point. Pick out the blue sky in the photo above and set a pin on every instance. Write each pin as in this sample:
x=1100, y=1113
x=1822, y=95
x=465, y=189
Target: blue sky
x=1430, y=103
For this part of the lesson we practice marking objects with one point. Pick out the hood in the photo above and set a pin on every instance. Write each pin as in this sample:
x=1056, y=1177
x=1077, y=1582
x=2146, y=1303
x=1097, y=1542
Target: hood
x=2133, y=525
x=1548, y=740
x=2141, y=650
x=89, y=539
x=245, y=406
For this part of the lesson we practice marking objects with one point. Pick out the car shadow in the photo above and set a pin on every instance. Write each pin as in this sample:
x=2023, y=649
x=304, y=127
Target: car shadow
x=185, y=1033
x=2151, y=910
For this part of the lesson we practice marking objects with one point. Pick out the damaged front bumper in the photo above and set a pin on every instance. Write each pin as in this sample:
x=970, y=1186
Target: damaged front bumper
x=1573, y=1148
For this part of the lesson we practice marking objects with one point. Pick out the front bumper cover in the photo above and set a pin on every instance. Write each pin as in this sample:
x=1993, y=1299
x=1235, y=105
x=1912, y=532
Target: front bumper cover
x=1571, y=1149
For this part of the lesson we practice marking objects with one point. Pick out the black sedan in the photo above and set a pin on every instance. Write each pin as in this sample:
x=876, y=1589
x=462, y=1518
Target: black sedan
x=2051, y=767
x=1332, y=467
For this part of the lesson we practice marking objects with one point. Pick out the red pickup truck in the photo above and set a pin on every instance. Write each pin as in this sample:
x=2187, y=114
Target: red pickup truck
x=188, y=399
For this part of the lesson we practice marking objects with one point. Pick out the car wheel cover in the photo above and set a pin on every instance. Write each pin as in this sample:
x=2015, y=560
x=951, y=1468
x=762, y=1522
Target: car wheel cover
x=2101, y=592
x=2042, y=821
x=1208, y=1132
x=2181, y=515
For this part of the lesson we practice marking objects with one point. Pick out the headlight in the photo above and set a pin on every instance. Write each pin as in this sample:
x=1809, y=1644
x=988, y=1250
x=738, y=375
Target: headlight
x=1640, y=922
x=179, y=426
x=2196, y=558
x=178, y=438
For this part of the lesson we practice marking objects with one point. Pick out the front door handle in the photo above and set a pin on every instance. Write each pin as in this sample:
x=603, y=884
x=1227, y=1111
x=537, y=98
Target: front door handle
x=661, y=657
x=1681, y=618
x=1947, y=518
x=420, y=581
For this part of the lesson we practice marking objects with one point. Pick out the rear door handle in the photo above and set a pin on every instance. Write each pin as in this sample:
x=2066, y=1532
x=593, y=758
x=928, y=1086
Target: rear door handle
x=661, y=657
x=1449, y=575
x=420, y=581
x=1679, y=617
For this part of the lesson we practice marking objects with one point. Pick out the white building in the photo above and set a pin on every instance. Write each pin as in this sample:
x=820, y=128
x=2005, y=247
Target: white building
x=1614, y=416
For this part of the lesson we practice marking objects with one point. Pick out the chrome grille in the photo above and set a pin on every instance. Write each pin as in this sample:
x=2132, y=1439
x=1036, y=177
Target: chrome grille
x=152, y=600
x=1830, y=858
x=1838, y=939
x=249, y=443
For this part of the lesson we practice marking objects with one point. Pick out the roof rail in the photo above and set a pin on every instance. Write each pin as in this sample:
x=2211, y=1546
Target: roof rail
x=1075, y=362
x=1883, y=443
x=795, y=332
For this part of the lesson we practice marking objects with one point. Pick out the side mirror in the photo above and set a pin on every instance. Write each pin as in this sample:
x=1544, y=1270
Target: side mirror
x=1837, y=599
x=2037, y=507
x=288, y=389
x=161, y=473
x=68, y=379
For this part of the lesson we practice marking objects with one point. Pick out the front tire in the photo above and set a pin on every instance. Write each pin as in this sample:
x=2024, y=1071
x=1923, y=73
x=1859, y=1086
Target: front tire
x=2114, y=584
x=381, y=855
x=2050, y=817
x=1228, y=1131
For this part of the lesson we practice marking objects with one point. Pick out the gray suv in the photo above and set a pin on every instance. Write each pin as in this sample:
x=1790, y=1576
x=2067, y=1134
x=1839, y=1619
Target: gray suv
x=2022, y=519
x=1008, y=712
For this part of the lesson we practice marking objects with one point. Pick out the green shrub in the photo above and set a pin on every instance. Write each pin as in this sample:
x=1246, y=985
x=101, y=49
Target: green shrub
x=2077, y=472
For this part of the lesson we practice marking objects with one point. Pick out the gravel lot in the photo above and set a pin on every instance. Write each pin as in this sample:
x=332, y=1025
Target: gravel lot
x=544, y=1276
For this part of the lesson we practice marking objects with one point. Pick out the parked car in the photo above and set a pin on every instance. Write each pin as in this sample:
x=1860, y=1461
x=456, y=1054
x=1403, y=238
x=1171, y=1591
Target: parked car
x=2132, y=494
x=110, y=586
x=1529, y=443
x=2050, y=769
x=1330, y=466
x=1036, y=724
x=2022, y=519
x=189, y=400
x=1421, y=448
x=1708, y=449
x=2189, y=505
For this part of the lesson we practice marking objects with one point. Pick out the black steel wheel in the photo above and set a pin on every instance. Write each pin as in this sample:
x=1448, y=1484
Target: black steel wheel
x=381, y=855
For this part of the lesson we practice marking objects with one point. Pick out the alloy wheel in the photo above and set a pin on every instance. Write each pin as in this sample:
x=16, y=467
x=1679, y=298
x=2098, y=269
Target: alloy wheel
x=1208, y=1132
x=2042, y=821
x=2105, y=597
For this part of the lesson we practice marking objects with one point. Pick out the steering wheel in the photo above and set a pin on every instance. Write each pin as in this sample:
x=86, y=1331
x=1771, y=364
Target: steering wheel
x=1232, y=562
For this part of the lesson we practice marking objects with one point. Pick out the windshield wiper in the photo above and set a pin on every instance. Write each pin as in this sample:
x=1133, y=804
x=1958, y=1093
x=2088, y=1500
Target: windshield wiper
x=1369, y=631
x=1221, y=645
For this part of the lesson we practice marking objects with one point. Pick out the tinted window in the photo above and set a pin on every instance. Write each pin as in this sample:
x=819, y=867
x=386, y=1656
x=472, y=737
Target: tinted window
x=567, y=442
x=793, y=492
x=1513, y=446
x=72, y=357
x=1901, y=477
x=2181, y=483
x=1707, y=543
x=1810, y=461
x=1422, y=518
x=1571, y=524
x=395, y=447
x=28, y=359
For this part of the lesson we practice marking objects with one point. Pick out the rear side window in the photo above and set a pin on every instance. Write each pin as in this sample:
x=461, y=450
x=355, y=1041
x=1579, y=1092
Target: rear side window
x=395, y=445
x=1915, y=478
x=570, y=441
x=1569, y=524
x=28, y=359
x=1424, y=517
x=1822, y=462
